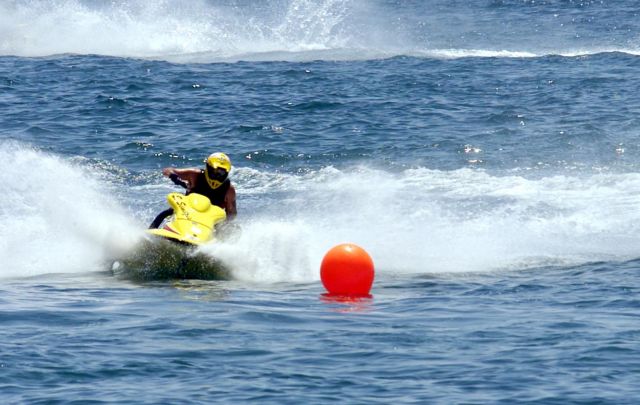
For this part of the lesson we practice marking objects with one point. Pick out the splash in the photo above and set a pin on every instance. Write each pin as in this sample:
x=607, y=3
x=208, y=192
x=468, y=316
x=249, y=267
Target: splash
x=426, y=221
x=169, y=29
x=299, y=30
x=59, y=218
x=155, y=259
x=418, y=221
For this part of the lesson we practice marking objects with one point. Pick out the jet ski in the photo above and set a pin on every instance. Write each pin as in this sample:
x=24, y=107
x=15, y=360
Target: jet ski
x=193, y=221
x=170, y=252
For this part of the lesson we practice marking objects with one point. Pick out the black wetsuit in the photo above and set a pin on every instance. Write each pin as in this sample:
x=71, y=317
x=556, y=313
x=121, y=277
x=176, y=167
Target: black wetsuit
x=215, y=195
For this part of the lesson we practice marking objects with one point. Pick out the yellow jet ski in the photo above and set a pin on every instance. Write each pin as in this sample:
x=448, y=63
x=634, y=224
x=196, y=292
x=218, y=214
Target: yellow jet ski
x=194, y=219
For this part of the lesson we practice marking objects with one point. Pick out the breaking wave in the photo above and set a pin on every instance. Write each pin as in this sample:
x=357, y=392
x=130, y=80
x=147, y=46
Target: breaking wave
x=209, y=31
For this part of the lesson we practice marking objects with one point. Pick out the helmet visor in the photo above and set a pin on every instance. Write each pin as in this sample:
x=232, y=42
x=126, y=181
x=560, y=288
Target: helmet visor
x=218, y=174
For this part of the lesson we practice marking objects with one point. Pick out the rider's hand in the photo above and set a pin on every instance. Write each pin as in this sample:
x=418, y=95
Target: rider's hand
x=167, y=171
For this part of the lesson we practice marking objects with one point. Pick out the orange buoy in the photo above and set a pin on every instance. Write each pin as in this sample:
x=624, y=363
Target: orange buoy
x=347, y=269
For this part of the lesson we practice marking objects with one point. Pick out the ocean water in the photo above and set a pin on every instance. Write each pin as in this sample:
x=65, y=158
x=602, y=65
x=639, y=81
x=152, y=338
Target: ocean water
x=486, y=155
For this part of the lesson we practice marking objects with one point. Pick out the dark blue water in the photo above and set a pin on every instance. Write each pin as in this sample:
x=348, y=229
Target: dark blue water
x=485, y=155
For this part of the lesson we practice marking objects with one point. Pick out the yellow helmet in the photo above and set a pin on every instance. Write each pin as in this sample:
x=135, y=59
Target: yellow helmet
x=217, y=169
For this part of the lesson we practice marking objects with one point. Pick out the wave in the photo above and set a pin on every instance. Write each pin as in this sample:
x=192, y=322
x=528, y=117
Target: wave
x=168, y=28
x=292, y=30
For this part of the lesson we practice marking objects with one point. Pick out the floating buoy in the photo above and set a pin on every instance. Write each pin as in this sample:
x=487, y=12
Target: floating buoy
x=347, y=269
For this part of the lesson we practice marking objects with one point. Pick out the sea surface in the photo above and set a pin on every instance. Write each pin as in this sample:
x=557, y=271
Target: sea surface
x=486, y=154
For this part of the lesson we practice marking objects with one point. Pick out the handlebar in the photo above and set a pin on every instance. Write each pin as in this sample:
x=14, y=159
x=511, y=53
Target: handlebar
x=176, y=180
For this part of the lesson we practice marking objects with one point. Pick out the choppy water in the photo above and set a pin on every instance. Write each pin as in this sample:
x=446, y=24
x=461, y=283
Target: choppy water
x=485, y=155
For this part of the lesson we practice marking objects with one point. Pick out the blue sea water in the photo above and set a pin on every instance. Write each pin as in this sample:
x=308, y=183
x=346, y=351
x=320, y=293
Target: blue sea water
x=484, y=153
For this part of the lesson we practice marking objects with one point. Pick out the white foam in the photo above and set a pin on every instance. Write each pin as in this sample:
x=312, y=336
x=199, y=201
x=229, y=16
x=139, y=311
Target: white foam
x=428, y=221
x=295, y=30
x=165, y=29
x=56, y=216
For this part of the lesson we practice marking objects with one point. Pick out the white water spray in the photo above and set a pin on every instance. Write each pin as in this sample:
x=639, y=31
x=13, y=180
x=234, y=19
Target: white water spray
x=210, y=31
x=428, y=221
x=168, y=29
x=59, y=218
x=56, y=216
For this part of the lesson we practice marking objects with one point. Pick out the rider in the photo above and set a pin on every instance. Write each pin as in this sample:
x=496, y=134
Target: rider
x=212, y=182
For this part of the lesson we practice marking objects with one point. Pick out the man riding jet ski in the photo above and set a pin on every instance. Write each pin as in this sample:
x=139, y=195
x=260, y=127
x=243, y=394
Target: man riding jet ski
x=209, y=200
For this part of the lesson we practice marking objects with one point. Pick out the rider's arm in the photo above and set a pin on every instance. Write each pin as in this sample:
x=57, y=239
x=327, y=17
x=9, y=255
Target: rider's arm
x=230, y=203
x=187, y=175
